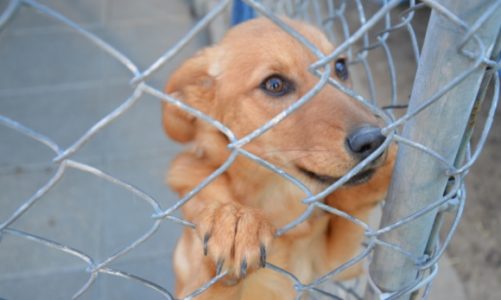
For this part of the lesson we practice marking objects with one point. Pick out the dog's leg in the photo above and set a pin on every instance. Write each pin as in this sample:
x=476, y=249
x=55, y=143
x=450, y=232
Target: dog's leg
x=228, y=236
x=344, y=242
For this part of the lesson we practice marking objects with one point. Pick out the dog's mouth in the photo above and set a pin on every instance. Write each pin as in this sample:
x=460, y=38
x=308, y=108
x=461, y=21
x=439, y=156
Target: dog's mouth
x=360, y=178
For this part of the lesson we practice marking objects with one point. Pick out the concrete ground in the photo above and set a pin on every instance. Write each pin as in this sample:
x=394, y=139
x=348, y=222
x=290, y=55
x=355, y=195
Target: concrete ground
x=475, y=250
x=59, y=84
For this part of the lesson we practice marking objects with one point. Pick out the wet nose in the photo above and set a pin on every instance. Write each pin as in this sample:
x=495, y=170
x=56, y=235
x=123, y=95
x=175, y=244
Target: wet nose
x=365, y=140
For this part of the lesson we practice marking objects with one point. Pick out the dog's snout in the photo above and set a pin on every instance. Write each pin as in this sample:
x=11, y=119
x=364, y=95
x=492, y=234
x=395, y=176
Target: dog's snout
x=365, y=140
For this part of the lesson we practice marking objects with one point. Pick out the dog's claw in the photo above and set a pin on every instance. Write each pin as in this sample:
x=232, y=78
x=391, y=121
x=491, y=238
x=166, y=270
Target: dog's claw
x=206, y=242
x=243, y=268
x=235, y=244
x=219, y=266
x=262, y=256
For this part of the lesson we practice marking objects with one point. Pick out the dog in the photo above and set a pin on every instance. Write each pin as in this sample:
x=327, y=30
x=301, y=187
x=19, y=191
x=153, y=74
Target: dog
x=253, y=74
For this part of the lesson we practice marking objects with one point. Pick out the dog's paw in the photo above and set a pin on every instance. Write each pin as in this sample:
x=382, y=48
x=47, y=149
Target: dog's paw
x=236, y=238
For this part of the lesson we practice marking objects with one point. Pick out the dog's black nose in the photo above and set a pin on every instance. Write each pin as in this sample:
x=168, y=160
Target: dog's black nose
x=365, y=140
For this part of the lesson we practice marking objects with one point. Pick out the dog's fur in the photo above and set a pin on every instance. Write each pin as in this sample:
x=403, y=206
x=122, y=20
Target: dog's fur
x=236, y=215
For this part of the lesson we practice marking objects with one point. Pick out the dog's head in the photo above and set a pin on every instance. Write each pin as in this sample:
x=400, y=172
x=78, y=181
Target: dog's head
x=256, y=72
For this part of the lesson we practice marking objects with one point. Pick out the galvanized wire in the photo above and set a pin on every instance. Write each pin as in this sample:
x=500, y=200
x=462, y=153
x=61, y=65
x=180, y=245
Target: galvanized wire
x=357, y=44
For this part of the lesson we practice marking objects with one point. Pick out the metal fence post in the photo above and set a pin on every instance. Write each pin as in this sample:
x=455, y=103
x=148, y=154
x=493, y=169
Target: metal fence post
x=419, y=179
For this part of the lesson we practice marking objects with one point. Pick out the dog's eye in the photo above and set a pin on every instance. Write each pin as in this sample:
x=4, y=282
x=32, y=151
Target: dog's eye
x=276, y=86
x=341, y=69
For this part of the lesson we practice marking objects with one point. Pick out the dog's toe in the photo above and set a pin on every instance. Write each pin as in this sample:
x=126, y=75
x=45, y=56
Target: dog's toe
x=252, y=237
x=236, y=238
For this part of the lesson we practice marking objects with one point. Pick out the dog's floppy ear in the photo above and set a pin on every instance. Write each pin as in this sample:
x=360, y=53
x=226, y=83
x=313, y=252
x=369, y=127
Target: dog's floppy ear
x=193, y=85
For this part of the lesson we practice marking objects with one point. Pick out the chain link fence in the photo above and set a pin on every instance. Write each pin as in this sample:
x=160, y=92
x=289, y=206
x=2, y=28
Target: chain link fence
x=456, y=66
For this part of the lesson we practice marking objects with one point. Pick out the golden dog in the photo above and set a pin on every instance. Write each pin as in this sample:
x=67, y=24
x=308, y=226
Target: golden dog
x=254, y=73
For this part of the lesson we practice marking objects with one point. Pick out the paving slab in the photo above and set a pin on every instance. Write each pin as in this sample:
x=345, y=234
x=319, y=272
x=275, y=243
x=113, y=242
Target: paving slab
x=53, y=286
x=153, y=268
x=36, y=59
x=68, y=214
x=63, y=115
x=83, y=12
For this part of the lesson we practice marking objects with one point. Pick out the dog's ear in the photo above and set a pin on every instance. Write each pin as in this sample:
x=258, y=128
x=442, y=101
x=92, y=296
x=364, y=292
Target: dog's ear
x=193, y=85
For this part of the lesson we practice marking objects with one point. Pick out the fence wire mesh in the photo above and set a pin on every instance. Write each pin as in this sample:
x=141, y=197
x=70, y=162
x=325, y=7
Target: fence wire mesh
x=358, y=31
